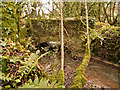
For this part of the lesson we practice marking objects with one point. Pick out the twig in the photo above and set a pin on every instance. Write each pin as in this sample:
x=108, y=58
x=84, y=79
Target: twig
x=67, y=34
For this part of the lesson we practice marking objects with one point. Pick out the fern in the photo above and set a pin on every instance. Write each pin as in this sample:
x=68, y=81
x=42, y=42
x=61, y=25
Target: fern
x=18, y=64
x=43, y=83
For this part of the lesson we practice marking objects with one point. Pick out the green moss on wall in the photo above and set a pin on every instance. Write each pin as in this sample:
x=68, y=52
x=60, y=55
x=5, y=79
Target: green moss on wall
x=80, y=80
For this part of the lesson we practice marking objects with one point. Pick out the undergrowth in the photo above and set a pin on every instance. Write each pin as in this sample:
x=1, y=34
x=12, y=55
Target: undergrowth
x=20, y=67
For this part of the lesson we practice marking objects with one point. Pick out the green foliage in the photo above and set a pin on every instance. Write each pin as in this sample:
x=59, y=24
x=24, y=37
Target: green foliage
x=73, y=9
x=41, y=31
x=80, y=80
x=43, y=83
x=110, y=43
x=19, y=65
x=14, y=25
x=104, y=40
x=9, y=20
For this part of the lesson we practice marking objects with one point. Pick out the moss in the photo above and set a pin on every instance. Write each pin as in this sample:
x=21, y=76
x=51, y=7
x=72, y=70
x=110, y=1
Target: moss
x=60, y=78
x=80, y=80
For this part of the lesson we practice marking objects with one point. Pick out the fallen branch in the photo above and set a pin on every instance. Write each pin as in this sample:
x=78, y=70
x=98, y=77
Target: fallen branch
x=67, y=34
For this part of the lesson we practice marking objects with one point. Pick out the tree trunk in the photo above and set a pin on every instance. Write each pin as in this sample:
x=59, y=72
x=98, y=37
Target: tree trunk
x=113, y=10
x=62, y=41
x=107, y=16
x=88, y=41
x=110, y=11
x=99, y=11
x=119, y=13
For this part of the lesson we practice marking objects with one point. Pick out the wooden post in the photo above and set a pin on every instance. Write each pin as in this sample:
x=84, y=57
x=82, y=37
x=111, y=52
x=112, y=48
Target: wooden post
x=62, y=36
